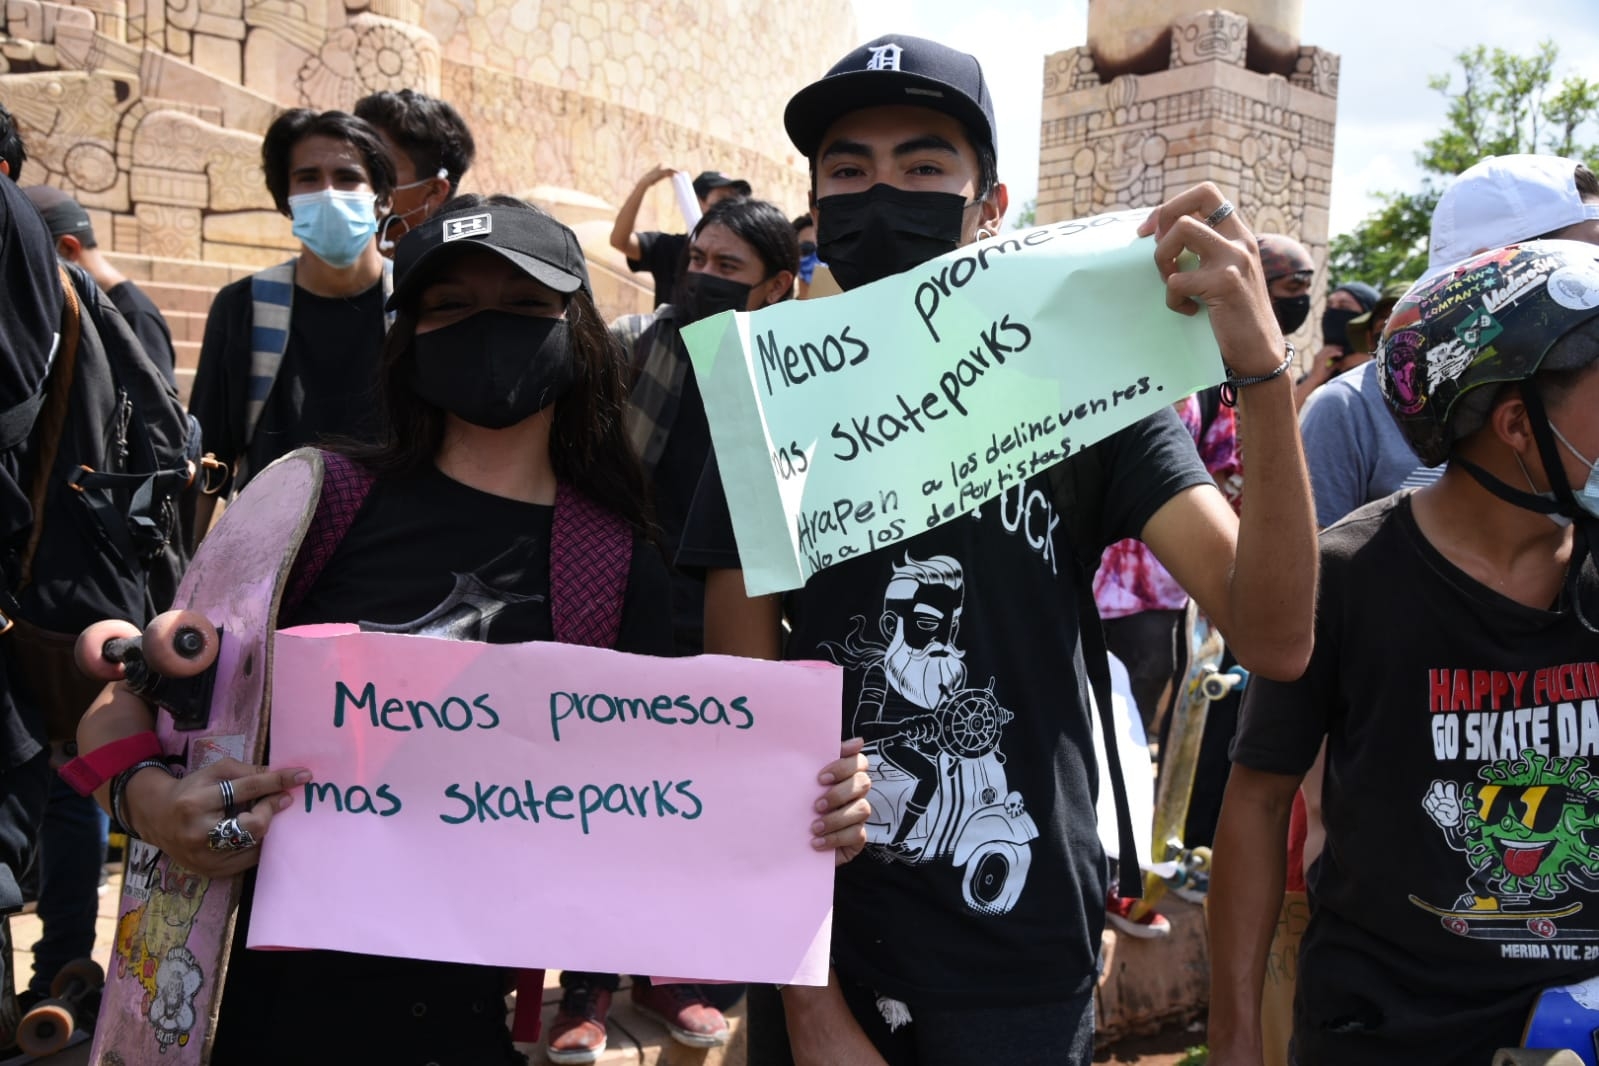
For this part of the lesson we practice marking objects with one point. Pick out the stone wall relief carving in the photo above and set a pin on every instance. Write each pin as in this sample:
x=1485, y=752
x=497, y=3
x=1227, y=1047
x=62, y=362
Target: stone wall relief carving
x=1209, y=36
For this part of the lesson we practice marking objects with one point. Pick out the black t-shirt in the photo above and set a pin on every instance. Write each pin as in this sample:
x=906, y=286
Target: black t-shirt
x=984, y=880
x=29, y=324
x=1461, y=870
x=674, y=480
x=326, y=387
x=426, y=554
x=144, y=318
x=662, y=255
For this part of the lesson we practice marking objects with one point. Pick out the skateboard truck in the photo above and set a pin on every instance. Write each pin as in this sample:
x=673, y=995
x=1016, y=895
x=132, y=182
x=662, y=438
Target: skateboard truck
x=1216, y=684
x=187, y=699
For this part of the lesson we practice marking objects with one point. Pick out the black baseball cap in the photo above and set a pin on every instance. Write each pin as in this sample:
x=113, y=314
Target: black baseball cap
x=63, y=215
x=715, y=179
x=531, y=240
x=893, y=69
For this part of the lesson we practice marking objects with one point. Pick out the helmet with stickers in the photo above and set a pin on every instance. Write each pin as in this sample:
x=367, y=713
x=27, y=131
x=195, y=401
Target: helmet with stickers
x=1491, y=319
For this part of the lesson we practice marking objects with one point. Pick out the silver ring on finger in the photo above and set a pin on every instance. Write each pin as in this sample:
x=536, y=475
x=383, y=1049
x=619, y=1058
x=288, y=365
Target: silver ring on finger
x=1215, y=218
x=229, y=807
x=228, y=836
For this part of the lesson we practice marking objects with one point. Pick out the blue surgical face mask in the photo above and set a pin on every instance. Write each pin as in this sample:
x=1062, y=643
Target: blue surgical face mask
x=1588, y=495
x=335, y=225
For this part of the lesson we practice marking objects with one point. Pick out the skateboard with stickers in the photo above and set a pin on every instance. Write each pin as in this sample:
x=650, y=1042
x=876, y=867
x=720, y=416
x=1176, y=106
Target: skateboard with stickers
x=207, y=666
x=1172, y=863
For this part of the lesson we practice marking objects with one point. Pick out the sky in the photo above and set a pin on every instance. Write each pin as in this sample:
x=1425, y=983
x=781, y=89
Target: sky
x=1389, y=48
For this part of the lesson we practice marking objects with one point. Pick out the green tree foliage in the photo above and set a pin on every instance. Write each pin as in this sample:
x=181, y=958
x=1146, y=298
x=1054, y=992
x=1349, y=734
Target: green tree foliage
x=1027, y=217
x=1500, y=103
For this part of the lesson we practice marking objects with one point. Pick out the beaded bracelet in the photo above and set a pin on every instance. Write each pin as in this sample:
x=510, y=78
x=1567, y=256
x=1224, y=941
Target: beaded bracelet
x=119, y=793
x=1230, y=387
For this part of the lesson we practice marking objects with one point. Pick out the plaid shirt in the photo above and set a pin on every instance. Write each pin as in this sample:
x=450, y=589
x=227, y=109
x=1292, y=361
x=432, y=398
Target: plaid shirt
x=654, y=352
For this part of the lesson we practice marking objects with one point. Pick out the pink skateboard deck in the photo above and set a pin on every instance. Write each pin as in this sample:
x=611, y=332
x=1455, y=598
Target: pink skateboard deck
x=175, y=927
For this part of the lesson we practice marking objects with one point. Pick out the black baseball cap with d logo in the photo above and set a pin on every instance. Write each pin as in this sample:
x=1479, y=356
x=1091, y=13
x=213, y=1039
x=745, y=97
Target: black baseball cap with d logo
x=893, y=69
x=529, y=239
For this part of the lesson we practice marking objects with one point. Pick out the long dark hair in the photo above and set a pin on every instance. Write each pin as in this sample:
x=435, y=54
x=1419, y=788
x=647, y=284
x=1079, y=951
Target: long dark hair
x=588, y=447
x=762, y=226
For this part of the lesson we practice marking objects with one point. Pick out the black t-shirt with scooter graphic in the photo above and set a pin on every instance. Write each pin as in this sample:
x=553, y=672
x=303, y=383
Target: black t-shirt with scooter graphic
x=983, y=883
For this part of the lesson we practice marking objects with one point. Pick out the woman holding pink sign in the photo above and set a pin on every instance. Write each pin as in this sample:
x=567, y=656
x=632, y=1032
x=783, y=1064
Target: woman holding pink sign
x=503, y=482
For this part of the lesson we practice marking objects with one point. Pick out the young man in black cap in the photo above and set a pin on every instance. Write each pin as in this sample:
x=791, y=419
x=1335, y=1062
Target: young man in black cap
x=991, y=956
x=76, y=243
x=662, y=254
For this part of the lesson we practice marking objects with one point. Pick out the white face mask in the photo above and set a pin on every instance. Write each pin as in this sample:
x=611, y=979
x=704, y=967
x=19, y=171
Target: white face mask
x=1558, y=519
x=386, y=245
x=1588, y=495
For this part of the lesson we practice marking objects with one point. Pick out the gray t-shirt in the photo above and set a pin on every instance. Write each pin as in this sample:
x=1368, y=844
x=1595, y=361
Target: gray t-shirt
x=1353, y=447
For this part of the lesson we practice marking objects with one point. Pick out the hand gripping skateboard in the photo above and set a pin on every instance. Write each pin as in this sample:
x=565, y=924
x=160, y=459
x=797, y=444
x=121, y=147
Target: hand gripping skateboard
x=208, y=665
x=1203, y=683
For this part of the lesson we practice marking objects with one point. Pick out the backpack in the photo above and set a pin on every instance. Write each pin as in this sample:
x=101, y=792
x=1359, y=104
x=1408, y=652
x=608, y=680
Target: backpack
x=110, y=450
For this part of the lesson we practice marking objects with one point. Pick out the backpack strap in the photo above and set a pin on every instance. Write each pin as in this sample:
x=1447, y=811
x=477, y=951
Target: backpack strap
x=52, y=419
x=591, y=551
x=345, y=485
x=1078, y=487
x=271, y=307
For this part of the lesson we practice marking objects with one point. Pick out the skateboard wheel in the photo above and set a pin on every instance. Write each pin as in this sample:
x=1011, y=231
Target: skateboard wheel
x=180, y=644
x=1199, y=859
x=1457, y=926
x=1541, y=927
x=100, y=650
x=45, y=1029
x=76, y=978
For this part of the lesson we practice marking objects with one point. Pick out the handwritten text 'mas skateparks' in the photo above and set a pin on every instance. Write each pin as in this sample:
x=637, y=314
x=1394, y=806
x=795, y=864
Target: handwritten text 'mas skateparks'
x=468, y=801
x=440, y=763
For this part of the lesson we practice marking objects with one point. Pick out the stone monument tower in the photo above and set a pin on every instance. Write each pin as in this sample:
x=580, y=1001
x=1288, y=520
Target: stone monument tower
x=1167, y=93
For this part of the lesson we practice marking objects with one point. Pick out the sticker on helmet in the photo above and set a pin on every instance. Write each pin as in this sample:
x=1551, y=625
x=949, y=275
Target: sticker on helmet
x=1575, y=286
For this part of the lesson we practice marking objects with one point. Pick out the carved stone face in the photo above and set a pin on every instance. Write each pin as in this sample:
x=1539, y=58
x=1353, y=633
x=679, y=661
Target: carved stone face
x=1124, y=158
x=1270, y=156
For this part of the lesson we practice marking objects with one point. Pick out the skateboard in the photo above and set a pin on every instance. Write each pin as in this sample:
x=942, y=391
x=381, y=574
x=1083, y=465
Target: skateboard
x=1173, y=865
x=1512, y=1056
x=73, y=1004
x=207, y=664
x=1566, y=1017
x=1501, y=924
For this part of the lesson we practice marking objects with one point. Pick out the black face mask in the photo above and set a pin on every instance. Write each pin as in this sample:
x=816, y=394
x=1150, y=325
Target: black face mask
x=865, y=236
x=1335, y=326
x=1291, y=312
x=494, y=368
x=701, y=295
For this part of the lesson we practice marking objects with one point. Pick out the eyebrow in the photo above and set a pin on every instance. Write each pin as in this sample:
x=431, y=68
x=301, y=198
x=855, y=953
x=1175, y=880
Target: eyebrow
x=928, y=142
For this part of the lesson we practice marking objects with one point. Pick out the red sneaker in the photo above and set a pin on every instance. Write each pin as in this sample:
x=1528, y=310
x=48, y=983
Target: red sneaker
x=1119, y=912
x=578, y=1033
x=683, y=1009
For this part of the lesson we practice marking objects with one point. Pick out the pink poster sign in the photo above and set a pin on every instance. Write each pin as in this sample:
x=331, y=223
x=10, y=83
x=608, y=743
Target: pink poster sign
x=547, y=805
